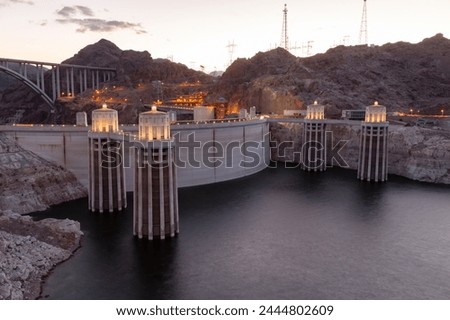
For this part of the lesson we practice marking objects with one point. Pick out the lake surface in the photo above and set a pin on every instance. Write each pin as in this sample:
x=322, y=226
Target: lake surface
x=279, y=234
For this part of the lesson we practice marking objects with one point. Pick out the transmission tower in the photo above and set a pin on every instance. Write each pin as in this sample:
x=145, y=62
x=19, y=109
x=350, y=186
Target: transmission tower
x=309, y=46
x=231, y=46
x=284, y=43
x=363, y=30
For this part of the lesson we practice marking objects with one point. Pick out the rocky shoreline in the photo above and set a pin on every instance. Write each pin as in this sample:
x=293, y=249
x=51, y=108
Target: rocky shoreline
x=29, y=250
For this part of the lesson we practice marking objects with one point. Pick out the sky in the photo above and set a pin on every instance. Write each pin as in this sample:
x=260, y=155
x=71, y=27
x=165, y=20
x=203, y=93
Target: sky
x=197, y=32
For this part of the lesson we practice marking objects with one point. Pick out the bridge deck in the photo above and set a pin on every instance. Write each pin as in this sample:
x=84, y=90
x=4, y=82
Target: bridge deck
x=54, y=80
x=53, y=64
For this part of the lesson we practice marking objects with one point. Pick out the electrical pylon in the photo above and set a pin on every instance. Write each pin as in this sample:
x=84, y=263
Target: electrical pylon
x=231, y=46
x=363, y=38
x=284, y=43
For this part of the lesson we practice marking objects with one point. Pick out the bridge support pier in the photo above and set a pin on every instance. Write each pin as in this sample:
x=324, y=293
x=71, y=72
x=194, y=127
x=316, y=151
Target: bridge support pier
x=61, y=77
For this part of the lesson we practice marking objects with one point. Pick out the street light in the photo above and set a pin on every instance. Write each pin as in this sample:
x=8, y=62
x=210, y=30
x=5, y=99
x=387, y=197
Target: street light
x=410, y=111
x=442, y=112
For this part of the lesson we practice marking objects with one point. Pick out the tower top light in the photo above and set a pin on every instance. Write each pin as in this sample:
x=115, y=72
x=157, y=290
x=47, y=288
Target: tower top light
x=375, y=113
x=154, y=125
x=105, y=120
x=315, y=111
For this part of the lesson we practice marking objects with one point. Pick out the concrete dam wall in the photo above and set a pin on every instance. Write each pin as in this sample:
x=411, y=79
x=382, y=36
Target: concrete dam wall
x=421, y=154
x=214, y=152
x=206, y=152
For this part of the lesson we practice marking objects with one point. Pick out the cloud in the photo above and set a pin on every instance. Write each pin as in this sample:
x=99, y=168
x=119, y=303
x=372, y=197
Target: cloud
x=76, y=15
x=68, y=12
x=100, y=25
x=86, y=11
x=22, y=1
x=4, y=3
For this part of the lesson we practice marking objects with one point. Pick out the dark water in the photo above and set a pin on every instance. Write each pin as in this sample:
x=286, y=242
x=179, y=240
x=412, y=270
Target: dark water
x=280, y=234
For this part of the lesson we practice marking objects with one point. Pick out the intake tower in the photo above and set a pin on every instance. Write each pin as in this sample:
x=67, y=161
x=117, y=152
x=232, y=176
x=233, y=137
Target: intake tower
x=155, y=197
x=373, y=147
x=106, y=172
x=314, y=152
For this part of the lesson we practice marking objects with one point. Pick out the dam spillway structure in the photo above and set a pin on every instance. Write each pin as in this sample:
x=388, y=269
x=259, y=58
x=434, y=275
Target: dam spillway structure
x=373, y=147
x=314, y=154
x=155, y=213
x=107, y=191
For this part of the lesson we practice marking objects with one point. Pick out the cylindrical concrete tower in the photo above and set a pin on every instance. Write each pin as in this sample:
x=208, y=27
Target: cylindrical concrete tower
x=155, y=199
x=373, y=148
x=106, y=172
x=314, y=153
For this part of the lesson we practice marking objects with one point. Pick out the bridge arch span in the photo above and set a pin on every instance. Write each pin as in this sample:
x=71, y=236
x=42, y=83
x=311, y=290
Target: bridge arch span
x=52, y=80
x=30, y=84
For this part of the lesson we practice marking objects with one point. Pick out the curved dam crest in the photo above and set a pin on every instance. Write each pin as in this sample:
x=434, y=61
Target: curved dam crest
x=207, y=153
x=416, y=153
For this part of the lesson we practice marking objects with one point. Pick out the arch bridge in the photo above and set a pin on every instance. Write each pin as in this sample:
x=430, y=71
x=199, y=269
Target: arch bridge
x=53, y=80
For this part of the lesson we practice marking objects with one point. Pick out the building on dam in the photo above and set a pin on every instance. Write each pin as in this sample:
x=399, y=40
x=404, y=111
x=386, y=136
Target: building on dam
x=106, y=173
x=373, y=147
x=314, y=152
x=155, y=197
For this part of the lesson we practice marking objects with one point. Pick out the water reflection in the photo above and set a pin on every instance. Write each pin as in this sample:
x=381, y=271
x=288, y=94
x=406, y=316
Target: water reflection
x=280, y=234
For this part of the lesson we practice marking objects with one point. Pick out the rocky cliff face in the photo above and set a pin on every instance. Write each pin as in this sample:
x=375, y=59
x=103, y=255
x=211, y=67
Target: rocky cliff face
x=29, y=183
x=400, y=76
x=416, y=153
x=29, y=250
x=420, y=154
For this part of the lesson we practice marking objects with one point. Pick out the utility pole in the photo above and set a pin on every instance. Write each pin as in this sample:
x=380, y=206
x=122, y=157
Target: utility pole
x=284, y=43
x=363, y=39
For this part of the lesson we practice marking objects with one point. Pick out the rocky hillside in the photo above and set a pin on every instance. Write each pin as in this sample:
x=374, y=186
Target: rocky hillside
x=29, y=183
x=134, y=67
x=135, y=73
x=399, y=75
